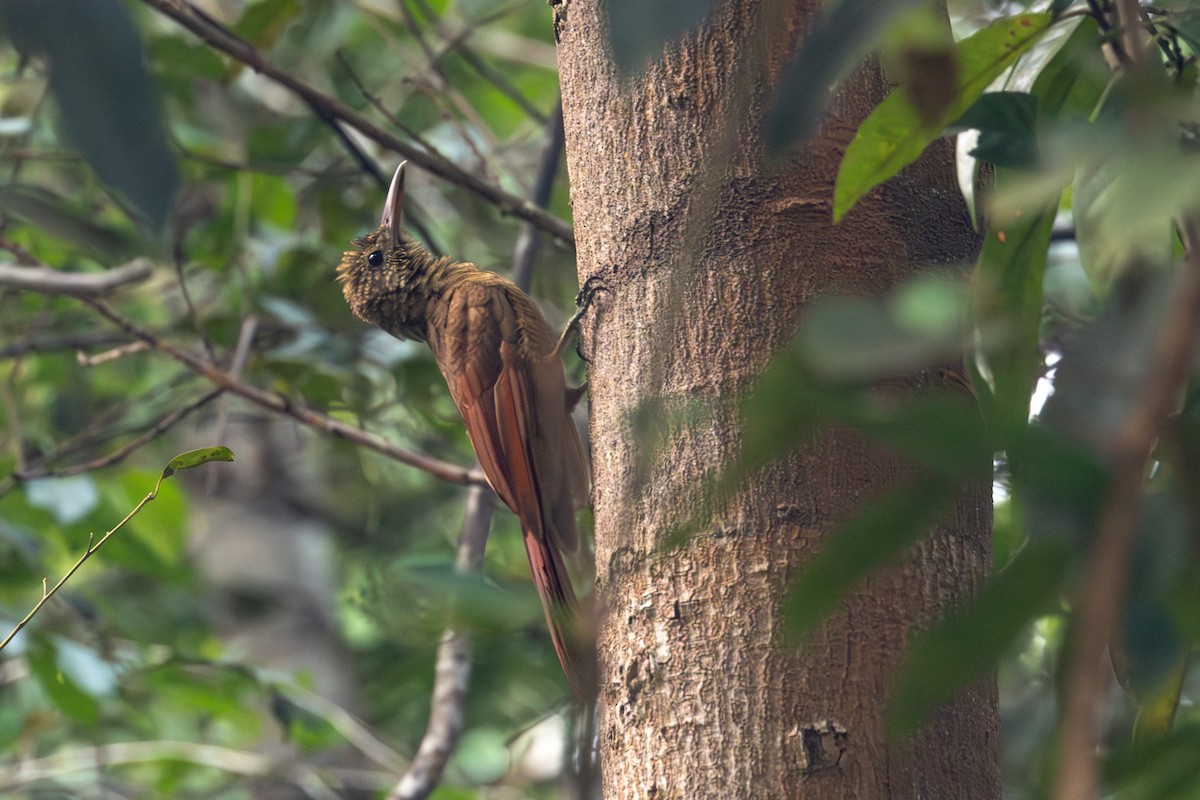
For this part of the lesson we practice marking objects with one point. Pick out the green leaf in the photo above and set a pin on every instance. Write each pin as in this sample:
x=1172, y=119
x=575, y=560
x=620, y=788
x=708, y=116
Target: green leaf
x=1008, y=307
x=1005, y=121
x=194, y=458
x=109, y=106
x=639, y=31
x=1008, y=284
x=878, y=532
x=55, y=216
x=1059, y=6
x=1157, y=768
x=894, y=135
x=262, y=23
x=969, y=642
x=1072, y=82
x=865, y=339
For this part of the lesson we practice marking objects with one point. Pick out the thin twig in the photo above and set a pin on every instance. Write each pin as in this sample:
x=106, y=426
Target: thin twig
x=457, y=43
x=76, y=341
x=349, y=726
x=284, y=405
x=46, y=280
x=190, y=18
x=92, y=547
x=120, y=454
x=528, y=241
x=177, y=256
x=114, y=354
x=225, y=759
x=1105, y=586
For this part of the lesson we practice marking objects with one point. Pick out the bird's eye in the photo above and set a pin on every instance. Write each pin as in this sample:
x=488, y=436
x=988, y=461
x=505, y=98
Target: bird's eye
x=375, y=258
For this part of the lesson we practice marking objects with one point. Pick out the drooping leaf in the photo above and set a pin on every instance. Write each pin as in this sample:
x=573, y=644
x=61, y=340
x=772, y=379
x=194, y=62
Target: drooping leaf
x=1008, y=308
x=1008, y=281
x=194, y=458
x=970, y=641
x=1072, y=82
x=639, y=31
x=1005, y=121
x=894, y=135
x=109, y=107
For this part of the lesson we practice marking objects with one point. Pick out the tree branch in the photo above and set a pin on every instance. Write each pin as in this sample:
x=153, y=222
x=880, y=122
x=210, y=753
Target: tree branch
x=46, y=280
x=236, y=762
x=27, y=473
x=452, y=670
x=284, y=405
x=196, y=22
x=1105, y=586
x=76, y=341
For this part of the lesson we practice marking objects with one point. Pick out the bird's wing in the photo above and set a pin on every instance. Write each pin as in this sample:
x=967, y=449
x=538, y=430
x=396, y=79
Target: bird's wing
x=506, y=399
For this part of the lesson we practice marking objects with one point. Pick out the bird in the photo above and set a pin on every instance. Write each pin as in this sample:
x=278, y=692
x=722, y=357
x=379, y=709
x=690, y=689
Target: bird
x=501, y=363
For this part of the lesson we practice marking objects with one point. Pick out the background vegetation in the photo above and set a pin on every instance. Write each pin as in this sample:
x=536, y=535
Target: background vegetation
x=270, y=624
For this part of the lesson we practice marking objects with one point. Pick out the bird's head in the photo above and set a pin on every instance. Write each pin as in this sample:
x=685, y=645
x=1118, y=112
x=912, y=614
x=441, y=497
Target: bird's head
x=377, y=276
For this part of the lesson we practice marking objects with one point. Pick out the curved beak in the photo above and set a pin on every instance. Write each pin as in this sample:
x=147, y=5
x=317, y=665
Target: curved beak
x=393, y=207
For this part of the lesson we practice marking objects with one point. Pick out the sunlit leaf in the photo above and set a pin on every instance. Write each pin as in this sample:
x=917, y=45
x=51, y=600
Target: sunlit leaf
x=894, y=135
x=970, y=641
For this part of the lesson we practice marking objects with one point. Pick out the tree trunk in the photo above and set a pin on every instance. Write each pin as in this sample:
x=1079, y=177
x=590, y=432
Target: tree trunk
x=710, y=255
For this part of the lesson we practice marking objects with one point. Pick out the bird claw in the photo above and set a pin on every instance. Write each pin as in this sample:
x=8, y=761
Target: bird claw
x=591, y=287
x=587, y=292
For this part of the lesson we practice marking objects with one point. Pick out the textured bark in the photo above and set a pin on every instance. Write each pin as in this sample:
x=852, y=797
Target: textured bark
x=711, y=255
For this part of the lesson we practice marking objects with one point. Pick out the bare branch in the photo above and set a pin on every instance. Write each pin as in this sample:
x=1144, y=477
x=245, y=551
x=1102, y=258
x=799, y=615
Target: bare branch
x=21, y=475
x=284, y=405
x=196, y=22
x=76, y=341
x=452, y=670
x=1105, y=586
x=45, y=280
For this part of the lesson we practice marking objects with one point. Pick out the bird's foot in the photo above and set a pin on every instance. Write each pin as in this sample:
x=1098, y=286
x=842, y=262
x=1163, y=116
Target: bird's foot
x=591, y=287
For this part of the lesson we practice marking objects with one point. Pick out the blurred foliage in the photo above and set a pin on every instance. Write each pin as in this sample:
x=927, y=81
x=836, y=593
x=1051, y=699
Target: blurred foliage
x=136, y=654
x=1092, y=171
x=134, y=665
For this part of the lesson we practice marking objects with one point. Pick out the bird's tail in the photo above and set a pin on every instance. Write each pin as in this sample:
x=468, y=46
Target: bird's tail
x=568, y=628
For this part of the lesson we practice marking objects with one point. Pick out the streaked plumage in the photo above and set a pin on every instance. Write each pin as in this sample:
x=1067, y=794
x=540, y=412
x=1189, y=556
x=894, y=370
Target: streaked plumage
x=498, y=357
